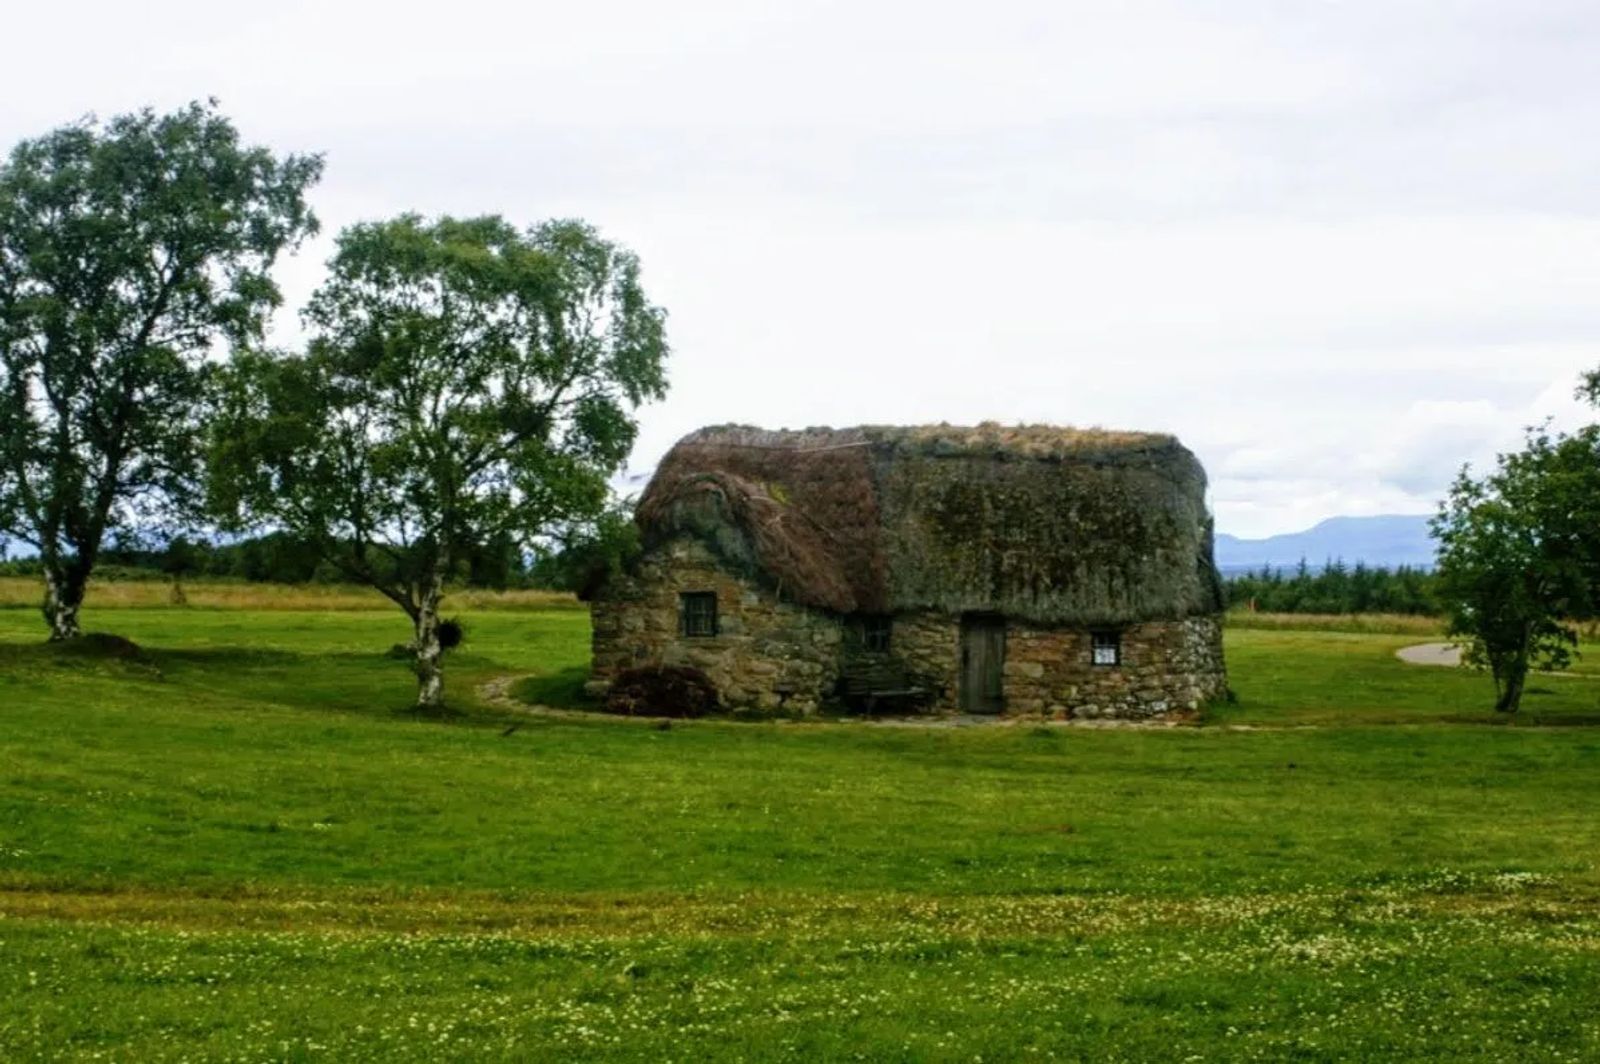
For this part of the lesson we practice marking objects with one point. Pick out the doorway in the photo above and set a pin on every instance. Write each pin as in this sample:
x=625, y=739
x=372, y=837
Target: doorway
x=983, y=656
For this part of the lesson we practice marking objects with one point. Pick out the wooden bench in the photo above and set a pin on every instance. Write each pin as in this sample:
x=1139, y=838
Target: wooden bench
x=874, y=682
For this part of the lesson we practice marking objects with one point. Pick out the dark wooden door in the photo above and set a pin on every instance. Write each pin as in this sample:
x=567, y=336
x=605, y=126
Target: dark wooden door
x=983, y=655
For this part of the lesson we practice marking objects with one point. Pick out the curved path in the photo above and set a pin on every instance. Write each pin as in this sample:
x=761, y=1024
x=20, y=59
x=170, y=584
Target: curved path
x=496, y=692
x=1448, y=654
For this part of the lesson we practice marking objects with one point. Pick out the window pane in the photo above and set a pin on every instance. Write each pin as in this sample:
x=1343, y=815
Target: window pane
x=1105, y=648
x=699, y=613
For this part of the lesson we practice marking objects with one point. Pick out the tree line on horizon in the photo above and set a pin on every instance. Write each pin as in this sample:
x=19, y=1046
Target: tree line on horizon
x=1335, y=588
x=280, y=558
x=503, y=564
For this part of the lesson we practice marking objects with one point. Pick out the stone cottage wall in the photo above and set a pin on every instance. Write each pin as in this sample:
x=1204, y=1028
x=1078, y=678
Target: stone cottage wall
x=1167, y=666
x=928, y=644
x=768, y=654
x=773, y=655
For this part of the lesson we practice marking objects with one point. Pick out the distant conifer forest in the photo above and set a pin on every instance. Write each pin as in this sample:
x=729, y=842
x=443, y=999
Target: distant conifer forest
x=1334, y=588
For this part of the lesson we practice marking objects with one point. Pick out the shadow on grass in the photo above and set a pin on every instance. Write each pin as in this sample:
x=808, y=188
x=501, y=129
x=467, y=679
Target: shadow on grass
x=561, y=690
x=100, y=647
x=1527, y=720
x=237, y=656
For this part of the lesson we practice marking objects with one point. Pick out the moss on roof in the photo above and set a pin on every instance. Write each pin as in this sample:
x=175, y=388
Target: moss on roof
x=1051, y=524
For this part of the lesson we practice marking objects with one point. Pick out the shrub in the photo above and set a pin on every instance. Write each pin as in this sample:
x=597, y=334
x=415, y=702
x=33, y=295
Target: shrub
x=662, y=691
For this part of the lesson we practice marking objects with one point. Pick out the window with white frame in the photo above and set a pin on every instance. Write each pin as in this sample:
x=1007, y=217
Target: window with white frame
x=1105, y=648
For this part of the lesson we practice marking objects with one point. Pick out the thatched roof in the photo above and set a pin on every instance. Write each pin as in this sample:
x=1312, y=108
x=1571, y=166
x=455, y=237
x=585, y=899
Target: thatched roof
x=1050, y=524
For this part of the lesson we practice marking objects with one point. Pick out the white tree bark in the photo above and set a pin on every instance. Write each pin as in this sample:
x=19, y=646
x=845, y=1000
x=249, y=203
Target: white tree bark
x=430, y=671
x=61, y=602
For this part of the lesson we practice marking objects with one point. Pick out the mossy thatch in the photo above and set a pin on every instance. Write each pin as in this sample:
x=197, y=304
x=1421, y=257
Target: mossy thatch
x=1053, y=525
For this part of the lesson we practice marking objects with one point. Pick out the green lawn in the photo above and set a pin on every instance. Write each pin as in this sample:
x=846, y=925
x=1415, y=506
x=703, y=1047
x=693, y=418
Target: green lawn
x=240, y=846
x=1344, y=678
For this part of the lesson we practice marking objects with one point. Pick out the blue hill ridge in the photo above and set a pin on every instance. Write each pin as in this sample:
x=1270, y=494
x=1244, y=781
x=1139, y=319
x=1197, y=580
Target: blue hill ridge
x=1387, y=541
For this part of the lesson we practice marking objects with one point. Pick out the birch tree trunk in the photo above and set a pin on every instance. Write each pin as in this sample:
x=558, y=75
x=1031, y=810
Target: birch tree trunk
x=63, y=595
x=430, y=671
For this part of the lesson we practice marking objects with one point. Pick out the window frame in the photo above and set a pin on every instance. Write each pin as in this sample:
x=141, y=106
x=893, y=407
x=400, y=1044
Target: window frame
x=698, y=615
x=1105, y=639
x=876, y=633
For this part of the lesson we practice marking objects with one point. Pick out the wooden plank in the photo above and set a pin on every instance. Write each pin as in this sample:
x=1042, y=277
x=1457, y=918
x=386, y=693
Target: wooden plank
x=983, y=654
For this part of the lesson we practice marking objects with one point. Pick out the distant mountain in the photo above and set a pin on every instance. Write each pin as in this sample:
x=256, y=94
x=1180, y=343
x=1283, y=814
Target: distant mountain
x=1386, y=542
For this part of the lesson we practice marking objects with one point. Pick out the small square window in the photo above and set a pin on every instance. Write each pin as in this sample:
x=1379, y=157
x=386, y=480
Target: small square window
x=698, y=613
x=1105, y=648
x=875, y=631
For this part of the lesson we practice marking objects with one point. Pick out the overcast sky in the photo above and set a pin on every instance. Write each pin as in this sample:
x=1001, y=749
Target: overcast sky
x=1337, y=247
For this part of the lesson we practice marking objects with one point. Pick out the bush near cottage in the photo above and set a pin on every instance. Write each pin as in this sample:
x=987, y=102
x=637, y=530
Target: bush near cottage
x=242, y=845
x=662, y=691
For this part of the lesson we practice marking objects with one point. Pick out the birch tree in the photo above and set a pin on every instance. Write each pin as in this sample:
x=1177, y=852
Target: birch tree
x=128, y=253
x=465, y=381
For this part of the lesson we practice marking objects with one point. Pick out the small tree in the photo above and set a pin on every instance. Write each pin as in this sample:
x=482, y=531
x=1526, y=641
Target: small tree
x=180, y=559
x=466, y=382
x=126, y=252
x=1519, y=556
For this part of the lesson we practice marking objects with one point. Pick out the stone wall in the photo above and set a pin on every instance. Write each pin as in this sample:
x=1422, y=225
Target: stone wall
x=1166, y=666
x=772, y=655
x=768, y=654
x=928, y=644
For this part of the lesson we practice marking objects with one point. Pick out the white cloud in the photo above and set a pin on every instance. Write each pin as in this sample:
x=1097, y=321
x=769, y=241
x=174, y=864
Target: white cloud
x=1338, y=247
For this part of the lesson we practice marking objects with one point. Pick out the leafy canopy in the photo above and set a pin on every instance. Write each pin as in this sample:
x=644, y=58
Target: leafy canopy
x=1519, y=556
x=128, y=252
x=466, y=381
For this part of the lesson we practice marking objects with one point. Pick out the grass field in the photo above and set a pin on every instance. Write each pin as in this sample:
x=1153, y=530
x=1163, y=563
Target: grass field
x=239, y=846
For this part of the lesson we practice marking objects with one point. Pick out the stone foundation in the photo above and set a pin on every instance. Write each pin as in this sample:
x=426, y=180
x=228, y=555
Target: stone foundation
x=775, y=656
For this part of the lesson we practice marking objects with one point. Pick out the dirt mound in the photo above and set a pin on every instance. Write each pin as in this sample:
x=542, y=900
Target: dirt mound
x=101, y=646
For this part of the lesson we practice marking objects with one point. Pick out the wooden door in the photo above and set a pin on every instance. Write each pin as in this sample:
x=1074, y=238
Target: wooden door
x=983, y=655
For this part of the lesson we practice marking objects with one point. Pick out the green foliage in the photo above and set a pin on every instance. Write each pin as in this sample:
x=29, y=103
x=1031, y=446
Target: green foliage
x=127, y=252
x=466, y=384
x=1335, y=588
x=586, y=553
x=1519, y=556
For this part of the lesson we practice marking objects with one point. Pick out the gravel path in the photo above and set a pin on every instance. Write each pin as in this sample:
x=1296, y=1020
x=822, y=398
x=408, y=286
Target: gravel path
x=497, y=692
x=1448, y=654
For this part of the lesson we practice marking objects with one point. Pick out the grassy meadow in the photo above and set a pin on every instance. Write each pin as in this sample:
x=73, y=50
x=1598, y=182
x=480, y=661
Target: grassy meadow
x=239, y=845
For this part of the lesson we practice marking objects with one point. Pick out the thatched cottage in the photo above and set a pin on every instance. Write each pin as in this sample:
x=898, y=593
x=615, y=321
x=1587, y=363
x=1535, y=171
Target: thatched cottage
x=987, y=570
